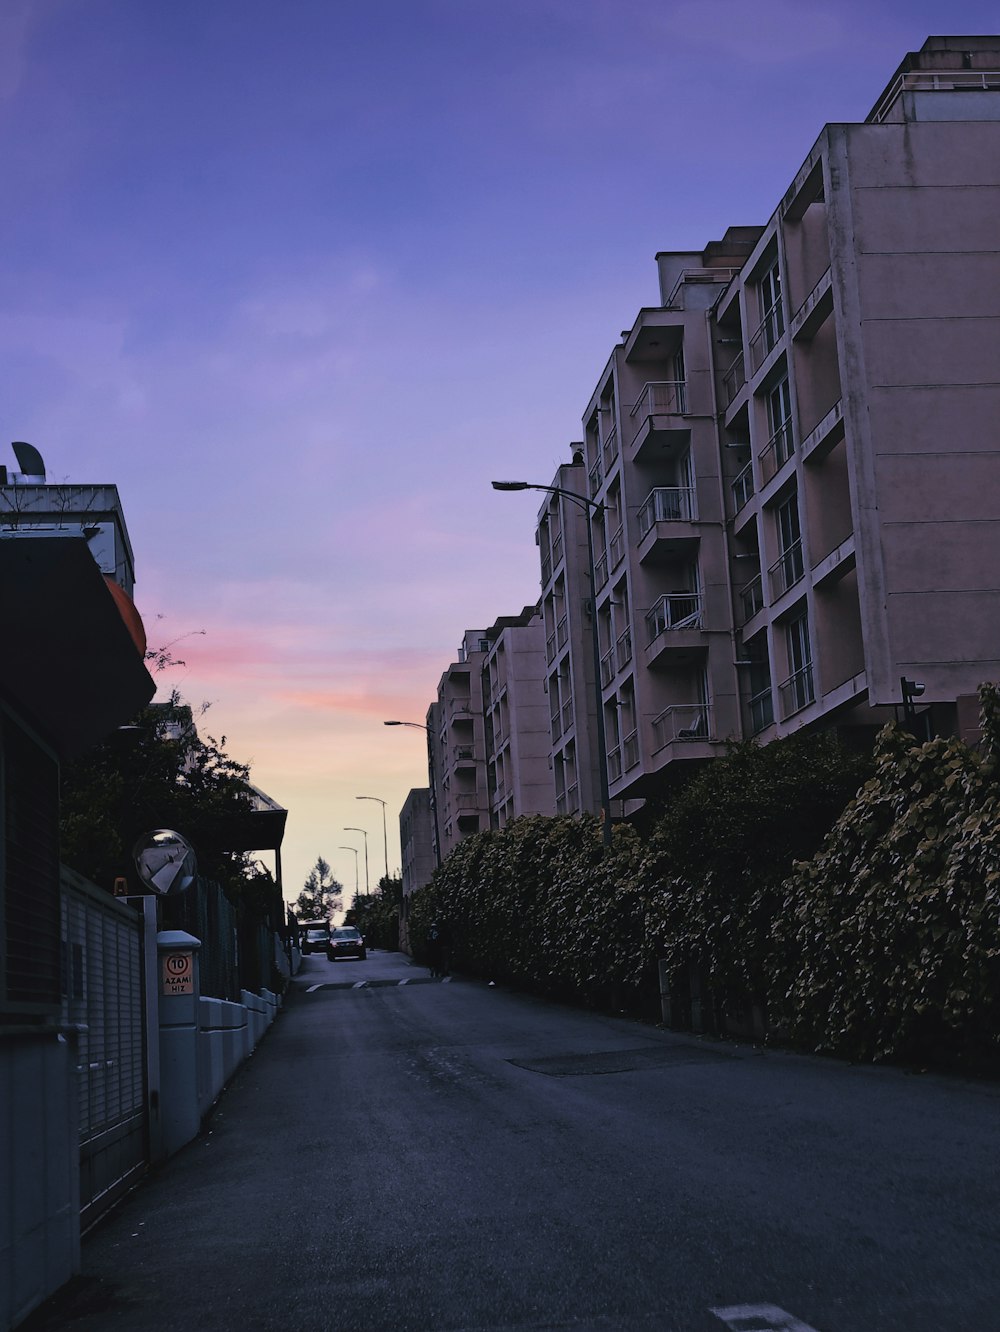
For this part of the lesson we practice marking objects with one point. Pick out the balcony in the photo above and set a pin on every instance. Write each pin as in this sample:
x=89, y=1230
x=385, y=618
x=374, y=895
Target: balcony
x=767, y=336
x=734, y=379
x=557, y=549
x=777, y=451
x=666, y=504
x=555, y=722
x=761, y=709
x=751, y=599
x=616, y=547
x=601, y=572
x=684, y=723
x=630, y=750
x=655, y=422
x=796, y=692
x=550, y=647
x=567, y=716
x=623, y=649
x=546, y=563
x=786, y=570
x=608, y=667
x=596, y=478
x=464, y=754
x=562, y=631
x=614, y=763
x=674, y=626
x=609, y=447
x=742, y=488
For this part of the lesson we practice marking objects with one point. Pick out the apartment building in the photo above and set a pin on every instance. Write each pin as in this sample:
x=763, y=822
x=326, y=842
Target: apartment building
x=518, y=761
x=793, y=462
x=457, y=746
x=416, y=841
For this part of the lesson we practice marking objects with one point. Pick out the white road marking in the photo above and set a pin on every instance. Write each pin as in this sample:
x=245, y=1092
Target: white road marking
x=405, y=982
x=445, y=980
x=311, y=988
x=359, y=985
x=760, y=1318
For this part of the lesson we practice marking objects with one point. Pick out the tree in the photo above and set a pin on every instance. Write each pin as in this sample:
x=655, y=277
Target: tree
x=376, y=914
x=321, y=894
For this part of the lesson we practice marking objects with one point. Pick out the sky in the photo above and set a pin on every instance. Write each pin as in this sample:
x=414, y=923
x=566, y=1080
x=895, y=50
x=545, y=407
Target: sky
x=301, y=277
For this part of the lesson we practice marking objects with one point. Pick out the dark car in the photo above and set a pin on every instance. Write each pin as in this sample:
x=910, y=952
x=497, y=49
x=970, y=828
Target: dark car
x=315, y=936
x=346, y=941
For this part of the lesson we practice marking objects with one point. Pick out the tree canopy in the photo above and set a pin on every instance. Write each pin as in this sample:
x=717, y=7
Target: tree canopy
x=321, y=894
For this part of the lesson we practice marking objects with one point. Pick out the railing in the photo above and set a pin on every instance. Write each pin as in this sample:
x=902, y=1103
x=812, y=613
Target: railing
x=555, y=723
x=623, y=649
x=546, y=568
x=562, y=630
x=601, y=572
x=609, y=447
x=666, y=504
x=630, y=747
x=463, y=753
x=778, y=449
x=596, y=477
x=684, y=722
x=567, y=715
x=761, y=707
x=797, y=691
x=786, y=570
x=742, y=487
x=550, y=646
x=665, y=397
x=752, y=598
x=614, y=763
x=767, y=335
x=573, y=796
x=608, y=667
x=734, y=378
x=676, y=610
x=557, y=548
x=562, y=802
x=929, y=81
x=616, y=547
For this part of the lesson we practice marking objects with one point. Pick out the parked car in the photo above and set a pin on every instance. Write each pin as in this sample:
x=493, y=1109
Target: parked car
x=346, y=941
x=315, y=936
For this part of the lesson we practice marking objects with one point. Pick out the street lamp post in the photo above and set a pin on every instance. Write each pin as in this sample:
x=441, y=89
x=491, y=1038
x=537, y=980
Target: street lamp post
x=365, y=836
x=357, y=886
x=596, y=508
x=385, y=835
x=430, y=773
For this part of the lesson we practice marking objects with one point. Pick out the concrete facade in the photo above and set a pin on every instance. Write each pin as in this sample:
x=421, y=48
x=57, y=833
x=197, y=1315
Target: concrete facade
x=457, y=748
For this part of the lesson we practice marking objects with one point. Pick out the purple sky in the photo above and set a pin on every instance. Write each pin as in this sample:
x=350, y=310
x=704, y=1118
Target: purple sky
x=301, y=277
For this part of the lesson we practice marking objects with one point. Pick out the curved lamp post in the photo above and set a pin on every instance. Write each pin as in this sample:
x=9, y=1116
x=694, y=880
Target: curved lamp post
x=589, y=507
x=365, y=836
x=385, y=835
x=357, y=887
x=430, y=773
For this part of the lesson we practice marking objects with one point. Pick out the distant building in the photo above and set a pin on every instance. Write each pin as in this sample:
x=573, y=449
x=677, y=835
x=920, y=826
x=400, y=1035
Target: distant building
x=457, y=749
x=518, y=762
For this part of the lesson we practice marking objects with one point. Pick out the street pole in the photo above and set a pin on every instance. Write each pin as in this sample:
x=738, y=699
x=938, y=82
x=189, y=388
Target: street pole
x=368, y=890
x=385, y=834
x=590, y=507
x=357, y=886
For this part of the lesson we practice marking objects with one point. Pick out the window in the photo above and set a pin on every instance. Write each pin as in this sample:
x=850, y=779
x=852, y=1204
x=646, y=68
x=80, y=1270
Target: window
x=789, y=566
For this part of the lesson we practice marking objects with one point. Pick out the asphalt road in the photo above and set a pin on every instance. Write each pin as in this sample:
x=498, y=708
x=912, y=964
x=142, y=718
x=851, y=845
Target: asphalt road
x=411, y=1155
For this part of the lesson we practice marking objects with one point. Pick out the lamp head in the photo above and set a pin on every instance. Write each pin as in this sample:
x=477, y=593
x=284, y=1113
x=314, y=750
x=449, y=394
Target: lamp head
x=510, y=485
x=913, y=688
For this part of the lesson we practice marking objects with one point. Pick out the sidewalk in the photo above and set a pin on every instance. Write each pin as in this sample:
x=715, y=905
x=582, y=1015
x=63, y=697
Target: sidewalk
x=197, y=1243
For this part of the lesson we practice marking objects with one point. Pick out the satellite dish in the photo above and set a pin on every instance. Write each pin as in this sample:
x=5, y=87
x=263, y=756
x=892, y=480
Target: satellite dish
x=165, y=861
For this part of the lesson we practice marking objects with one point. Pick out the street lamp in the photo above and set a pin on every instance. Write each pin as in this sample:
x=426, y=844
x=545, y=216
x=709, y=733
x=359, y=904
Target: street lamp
x=430, y=773
x=365, y=836
x=595, y=508
x=385, y=835
x=355, y=850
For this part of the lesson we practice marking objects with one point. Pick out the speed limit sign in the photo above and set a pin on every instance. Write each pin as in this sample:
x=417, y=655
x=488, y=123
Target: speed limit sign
x=177, y=976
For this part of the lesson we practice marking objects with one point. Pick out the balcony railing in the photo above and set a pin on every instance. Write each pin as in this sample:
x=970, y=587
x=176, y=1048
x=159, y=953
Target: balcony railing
x=752, y=598
x=666, y=504
x=608, y=667
x=797, y=691
x=677, y=610
x=623, y=649
x=778, y=449
x=665, y=397
x=550, y=646
x=616, y=547
x=786, y=570
x=761, y=707
x=609, y=447
x=742, y=487
x=614, y=763
x=596, y=477
x=555, y=724
x=562, y=630
x=546, y=563
x=601, y=572
x=630, y=749
x=734, y=378
x=557, y=548
x=684, y=722
x=767, y=336
x=567, y=715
